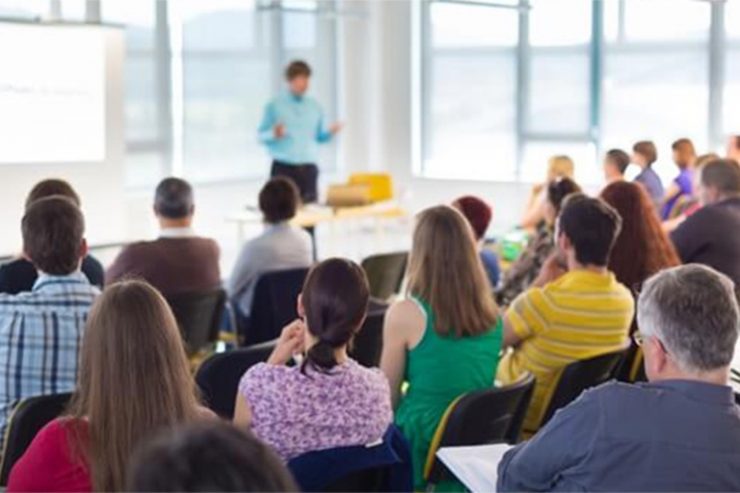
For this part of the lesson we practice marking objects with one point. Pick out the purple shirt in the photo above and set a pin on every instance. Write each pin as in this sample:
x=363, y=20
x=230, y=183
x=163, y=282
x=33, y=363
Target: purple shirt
x=297, y=413
x=684, y=181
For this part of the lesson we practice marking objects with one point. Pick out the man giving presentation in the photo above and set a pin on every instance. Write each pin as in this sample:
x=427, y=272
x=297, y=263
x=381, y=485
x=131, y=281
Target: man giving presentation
x=292, y=128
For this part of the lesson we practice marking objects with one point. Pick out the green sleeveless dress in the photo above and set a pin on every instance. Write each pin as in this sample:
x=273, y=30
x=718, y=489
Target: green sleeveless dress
x=438, y=370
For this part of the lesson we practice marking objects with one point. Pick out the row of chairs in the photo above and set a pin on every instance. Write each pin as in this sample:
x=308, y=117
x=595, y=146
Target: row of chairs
x=199, y=314
x=489, y=416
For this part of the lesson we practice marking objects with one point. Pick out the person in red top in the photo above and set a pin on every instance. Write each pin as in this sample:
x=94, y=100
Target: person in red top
x=130, y=337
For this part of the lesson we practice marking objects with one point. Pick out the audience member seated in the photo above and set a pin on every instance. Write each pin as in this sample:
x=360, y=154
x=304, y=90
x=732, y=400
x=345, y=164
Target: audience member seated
x=684, y=156
x=679, y=432
x=40, y=330
x=212, y=456
x=557, y=167
x=19, y=275
x=576, y=308
x=527, y=267
x=280, y=246
x=445, y=338
x=690, y=204
x=178, y=261
x=616, y=162
x=711, y=236
x=479, y=215
x=134, y=380
x=329, y=400
x=642, y=247
x=644, y=155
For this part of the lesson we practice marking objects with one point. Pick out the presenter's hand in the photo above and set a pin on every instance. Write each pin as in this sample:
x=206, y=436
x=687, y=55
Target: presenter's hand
x=336, y=127
x=279, y=130
x=291, y=341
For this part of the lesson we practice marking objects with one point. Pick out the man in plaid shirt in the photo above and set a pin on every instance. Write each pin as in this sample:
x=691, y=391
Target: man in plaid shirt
x=41, y=330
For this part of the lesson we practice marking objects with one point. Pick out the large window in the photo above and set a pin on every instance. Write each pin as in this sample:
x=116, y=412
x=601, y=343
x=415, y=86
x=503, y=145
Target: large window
x=146, y=91
x=525, y=79
x=198, y=74
x=656, y=75
x=469, y=69
x=731, y=106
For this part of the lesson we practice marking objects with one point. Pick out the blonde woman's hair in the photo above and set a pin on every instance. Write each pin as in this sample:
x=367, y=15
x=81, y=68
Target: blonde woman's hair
x=134, y=380
x=445, y=271
x=560, y=166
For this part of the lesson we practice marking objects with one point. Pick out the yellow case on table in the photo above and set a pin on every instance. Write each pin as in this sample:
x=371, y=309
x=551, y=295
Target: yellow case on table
x=381, y=184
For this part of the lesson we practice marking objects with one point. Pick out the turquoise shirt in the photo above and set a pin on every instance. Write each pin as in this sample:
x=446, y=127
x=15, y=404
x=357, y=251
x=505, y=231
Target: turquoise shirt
x=304, y=128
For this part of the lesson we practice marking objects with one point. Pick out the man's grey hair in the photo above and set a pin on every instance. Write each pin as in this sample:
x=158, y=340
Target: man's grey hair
x=693, y=311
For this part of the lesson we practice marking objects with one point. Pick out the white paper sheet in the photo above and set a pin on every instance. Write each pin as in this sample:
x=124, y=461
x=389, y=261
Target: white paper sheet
x=476, y=467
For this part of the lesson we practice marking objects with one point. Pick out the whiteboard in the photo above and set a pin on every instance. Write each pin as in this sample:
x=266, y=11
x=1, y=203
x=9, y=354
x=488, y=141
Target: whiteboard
x=52, y=93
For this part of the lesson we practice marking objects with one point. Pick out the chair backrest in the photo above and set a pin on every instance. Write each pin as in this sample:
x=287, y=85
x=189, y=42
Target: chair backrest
x=385, y=273
x=198, y=315
x=382, y=467
x=274, y=304
x=27, y=419
x=493, y=415
x=582, y=375
x=368, y=343
x=632, y=368
x=218, y=377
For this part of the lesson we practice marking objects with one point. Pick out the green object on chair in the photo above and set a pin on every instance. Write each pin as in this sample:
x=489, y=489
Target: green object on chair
x=513, y=244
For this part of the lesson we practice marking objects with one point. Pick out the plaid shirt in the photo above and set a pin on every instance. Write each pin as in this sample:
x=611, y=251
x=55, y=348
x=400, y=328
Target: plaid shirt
x=40, y=336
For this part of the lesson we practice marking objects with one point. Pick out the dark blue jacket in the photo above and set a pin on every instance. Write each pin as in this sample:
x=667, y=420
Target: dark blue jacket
x=343, y=467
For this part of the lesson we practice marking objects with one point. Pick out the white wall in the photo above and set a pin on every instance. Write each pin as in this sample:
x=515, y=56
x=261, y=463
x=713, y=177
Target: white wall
x=99, y=184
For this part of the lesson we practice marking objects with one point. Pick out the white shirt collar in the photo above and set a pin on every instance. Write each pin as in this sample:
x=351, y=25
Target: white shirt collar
x=176, y=233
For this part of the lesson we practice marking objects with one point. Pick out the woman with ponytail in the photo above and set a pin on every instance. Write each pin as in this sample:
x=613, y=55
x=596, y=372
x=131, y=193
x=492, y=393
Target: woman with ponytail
x=328, y=400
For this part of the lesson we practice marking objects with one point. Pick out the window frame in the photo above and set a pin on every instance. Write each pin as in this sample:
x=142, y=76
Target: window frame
x=717, y=46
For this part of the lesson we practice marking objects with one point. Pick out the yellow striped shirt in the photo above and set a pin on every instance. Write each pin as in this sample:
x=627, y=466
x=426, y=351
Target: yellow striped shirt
x=581, y=315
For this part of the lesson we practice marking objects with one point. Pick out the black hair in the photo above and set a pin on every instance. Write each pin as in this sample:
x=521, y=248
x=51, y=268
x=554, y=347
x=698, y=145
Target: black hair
x=297, y=68
x=723, y=174
x=207, y=456
x=619, y=158
x=279, y=199
x=52, y=186
x=53, y=229
x=174, y=198
x=335, y=299
x=559, y=189
x=592, y=226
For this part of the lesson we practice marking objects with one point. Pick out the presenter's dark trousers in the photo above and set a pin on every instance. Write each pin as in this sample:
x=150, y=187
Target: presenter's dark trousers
x=305, y=177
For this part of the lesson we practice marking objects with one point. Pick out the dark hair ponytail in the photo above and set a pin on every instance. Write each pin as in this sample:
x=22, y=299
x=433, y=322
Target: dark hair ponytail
x=335, y=299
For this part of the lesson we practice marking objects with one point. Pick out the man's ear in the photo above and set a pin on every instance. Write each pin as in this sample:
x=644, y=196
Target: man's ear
x=84, y=248
x=299, y=306
x=564, y=242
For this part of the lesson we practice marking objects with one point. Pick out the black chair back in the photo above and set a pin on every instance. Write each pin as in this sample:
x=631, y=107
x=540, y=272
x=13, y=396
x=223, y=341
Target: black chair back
x=368, y=343
x=198, y=315
x=273, y=306
x=27, y=419
x=582, y=375
x=381, y=467
x=488, y=416
x=632, y=368
x=385, y=273
x=218, y=377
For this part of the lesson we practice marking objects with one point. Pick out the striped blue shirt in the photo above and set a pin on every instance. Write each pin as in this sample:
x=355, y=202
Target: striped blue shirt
x=305, y=129
x=40, y=336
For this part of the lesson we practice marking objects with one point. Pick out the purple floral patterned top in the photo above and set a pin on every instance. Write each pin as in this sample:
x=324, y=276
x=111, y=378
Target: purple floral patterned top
x=297, y=413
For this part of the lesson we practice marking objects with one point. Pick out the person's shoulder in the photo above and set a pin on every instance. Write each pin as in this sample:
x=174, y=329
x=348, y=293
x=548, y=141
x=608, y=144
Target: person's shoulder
x=136, y=247
x=264, y=374
x=59, y=430
x=17, y=264
x=208, y=243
